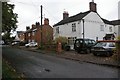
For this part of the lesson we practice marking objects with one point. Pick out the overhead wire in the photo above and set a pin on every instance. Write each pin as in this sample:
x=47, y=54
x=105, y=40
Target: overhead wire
x=35, y=6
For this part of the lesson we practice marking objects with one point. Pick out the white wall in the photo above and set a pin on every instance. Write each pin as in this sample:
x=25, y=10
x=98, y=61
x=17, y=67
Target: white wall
x=119, y=17
x=92, y=26
x=119, y=10
x=66, y=30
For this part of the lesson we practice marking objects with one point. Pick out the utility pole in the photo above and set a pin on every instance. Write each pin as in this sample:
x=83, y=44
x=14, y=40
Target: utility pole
x=41, y=24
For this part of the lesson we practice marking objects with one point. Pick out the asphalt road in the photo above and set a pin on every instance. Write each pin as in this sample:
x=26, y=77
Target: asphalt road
x=37, y=65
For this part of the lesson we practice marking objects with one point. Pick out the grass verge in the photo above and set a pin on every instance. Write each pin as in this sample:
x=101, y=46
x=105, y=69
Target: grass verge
x=9, y=73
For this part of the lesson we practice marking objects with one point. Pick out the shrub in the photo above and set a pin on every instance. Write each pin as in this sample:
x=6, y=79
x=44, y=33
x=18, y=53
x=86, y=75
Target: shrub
x=61, y=39
x=117, y=50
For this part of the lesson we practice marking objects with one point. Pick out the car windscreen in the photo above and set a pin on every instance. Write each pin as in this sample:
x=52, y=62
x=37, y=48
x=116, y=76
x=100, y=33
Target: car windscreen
x=111, y=44
x=100, y=44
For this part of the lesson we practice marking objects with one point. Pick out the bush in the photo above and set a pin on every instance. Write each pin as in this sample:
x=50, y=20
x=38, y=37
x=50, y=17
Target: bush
x=63, y=41
x=117, y=50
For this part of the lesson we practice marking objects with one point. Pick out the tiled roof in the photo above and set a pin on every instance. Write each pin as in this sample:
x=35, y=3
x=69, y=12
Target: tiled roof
x=72, y=18
x=116, y=22
x=106, y=21
x=82, y=15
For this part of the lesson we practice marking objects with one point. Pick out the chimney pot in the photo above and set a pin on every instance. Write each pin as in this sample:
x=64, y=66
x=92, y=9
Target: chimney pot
x=46, y=21
x=65, y=14
x=27, y=28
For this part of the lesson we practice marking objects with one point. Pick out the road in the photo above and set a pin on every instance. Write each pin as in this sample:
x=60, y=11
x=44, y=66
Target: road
x=37, y=65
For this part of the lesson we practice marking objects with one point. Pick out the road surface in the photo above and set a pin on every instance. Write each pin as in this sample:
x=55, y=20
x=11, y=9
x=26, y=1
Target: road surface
x=37, y=65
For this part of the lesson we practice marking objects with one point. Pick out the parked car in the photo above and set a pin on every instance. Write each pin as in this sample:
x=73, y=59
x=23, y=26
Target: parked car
x=83, y=45
x=104, y=48
x=15, y=43
x=31, y=44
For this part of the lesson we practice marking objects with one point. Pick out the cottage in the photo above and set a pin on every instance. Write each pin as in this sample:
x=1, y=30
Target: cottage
x=119, y=17
x=87, y=24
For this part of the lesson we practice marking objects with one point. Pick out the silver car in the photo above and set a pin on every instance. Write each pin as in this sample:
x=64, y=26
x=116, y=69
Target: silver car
x=31, y=44
x=105, y=48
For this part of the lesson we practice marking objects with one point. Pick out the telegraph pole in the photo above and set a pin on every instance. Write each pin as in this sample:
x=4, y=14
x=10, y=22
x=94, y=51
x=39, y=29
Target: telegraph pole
x=41, y=23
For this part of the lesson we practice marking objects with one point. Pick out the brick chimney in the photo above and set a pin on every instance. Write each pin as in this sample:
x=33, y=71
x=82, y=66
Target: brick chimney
x=65, y=14
x=27, y=28
x=33, y=26
x=46, y=21
x=92, y=6
x=37, y=24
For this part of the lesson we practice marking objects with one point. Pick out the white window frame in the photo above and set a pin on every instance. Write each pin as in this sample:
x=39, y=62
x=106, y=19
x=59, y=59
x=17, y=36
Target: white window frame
x=110, y=29
x=101, y=27
x=33, y=33
x=57, y=30
x=28, y=34
x=74, y=27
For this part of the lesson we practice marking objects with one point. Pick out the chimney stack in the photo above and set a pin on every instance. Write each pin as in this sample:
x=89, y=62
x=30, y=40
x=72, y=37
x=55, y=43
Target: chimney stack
x=92, y=6
x=33, y=26
x=46, y=21
x=37, y=24
x=27, y=28
x=65, y=14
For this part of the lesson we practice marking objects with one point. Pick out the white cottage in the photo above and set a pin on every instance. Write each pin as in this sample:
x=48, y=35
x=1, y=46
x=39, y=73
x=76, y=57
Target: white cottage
x=88, y=24
x=119, y=17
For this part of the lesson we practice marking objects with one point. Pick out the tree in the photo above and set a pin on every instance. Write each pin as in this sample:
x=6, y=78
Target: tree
x=9, y=19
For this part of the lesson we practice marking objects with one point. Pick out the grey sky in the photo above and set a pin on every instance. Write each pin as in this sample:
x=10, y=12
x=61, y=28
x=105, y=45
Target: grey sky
x=29, y=10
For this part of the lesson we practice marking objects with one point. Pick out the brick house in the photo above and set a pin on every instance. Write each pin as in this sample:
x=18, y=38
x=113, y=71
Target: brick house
x=34, y=34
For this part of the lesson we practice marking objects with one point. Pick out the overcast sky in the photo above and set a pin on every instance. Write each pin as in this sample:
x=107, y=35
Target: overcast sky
x=29, y=10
